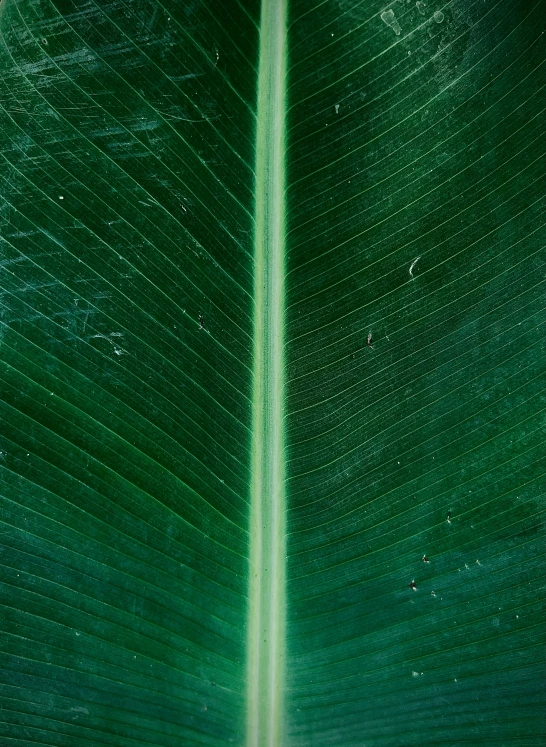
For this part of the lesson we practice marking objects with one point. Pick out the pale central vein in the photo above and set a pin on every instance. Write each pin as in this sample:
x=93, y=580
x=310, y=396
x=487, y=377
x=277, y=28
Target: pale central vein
x=267, y=544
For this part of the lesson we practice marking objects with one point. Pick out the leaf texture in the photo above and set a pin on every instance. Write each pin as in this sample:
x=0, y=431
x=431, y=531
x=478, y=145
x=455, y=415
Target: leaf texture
x=416, y=203
x=409, y=408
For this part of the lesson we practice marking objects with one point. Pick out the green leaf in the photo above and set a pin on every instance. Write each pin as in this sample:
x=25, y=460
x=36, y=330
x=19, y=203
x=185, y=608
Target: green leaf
x=272, y=373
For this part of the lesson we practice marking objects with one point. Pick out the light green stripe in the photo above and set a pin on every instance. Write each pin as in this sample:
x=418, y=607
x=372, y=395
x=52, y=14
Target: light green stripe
x=266, y=646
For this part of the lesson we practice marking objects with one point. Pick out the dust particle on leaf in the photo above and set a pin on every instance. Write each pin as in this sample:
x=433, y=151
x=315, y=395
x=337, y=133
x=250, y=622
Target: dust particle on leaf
x=389, y=18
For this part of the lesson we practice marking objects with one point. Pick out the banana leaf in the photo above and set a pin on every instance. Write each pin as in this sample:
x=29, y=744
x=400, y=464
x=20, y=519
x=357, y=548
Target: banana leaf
x=272, y=373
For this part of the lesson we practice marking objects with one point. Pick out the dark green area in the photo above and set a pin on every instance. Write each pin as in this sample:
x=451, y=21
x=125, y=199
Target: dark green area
x=429, y=143
x=126, y=177
x=126, y=180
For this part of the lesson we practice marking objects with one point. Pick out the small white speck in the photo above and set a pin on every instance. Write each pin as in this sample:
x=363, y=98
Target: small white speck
x=336, y=107
x=61, y=197
x=389, y=18
x=415, y=674
x=413, y=265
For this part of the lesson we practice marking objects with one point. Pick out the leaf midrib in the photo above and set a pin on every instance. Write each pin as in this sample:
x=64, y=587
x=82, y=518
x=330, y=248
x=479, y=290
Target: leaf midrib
x=266, y=623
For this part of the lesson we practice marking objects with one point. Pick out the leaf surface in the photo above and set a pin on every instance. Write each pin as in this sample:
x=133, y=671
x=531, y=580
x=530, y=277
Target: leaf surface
x=272, y=362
